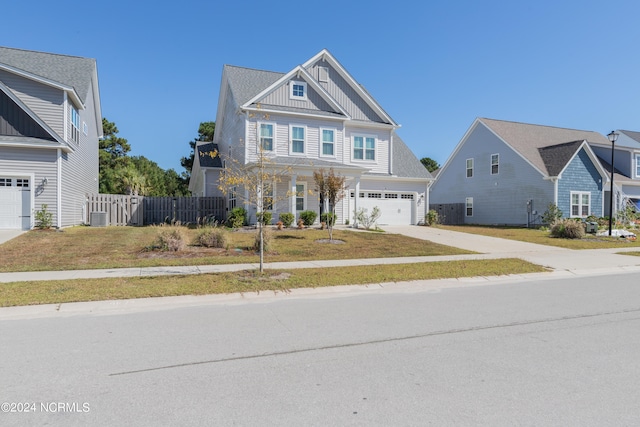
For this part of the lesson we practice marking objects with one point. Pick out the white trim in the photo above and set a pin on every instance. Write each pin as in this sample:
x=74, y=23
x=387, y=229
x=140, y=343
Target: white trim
x=292, y=84
x=497, y=164
x=259, y=146
x=304, y=197
x=304, y=140
x=59, y=189
x=636, y=169
x=580, y=205
x=364, y=137
x=295, y=114
x=466, y=206
x=466, y=168
x=603, y=173
x=321, y=142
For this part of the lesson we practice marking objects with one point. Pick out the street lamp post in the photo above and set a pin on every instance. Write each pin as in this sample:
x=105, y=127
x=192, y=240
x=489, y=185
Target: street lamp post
x=613, y=136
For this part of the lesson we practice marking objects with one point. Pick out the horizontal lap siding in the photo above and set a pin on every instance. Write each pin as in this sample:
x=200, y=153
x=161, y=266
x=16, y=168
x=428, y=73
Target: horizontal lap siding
x=40, y=162
x=45, y=101
x=381, y=163
x=497, y=199
x=80, y=167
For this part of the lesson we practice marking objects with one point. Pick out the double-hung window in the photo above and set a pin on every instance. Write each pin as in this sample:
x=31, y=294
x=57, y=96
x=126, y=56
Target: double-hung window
x=75, y=124
x=364, y=148
x=495, y=163
x=580, y=204
x=469, y=206
x=469, y=168
x=637, y=165
x=297, y=139
x=266, y=136
x=328, y=142
x=267, y=196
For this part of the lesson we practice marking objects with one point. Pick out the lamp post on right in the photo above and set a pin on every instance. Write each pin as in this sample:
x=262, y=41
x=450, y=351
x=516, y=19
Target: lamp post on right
x=613, y=136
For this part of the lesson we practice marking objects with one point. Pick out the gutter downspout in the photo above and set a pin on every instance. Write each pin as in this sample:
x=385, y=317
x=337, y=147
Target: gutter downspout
x=59, y=189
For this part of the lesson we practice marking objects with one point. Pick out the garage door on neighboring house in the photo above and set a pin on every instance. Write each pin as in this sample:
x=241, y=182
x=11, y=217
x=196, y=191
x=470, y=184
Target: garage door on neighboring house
x=397, y=208
x=15, y=205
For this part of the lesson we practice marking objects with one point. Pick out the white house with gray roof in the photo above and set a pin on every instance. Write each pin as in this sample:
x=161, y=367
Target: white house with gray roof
x=50, y=123
x=508, y=173
x=314, y=116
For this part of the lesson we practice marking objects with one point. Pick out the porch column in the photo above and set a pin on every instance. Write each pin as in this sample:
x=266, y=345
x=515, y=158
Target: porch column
x=292, y=199
x=356, y=196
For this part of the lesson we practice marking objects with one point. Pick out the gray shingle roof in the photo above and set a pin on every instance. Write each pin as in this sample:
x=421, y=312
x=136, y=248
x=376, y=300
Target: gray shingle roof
x=245, y=83
x=528, y=139
x=72, y=71
x=556, y=157
x=405, y=163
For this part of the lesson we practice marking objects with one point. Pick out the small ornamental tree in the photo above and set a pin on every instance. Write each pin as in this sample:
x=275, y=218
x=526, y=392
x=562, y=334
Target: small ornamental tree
x=253, y=183
x=331, y=188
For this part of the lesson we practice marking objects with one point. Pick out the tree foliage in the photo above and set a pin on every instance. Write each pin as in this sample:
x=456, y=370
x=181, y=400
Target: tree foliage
x=331, y=188
x=430, y=164
x=122, y=174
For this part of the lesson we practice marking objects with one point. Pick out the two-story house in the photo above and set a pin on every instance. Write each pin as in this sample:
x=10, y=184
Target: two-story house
x=508, y=173
x=315, y=116
x=50, y=123
x=626, y=179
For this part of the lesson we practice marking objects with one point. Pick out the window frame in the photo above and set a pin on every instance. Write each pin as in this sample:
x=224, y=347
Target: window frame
x=496, y=164
x=268, y=207
x=74, y=119
x=580, y=205
x=364, y=148
x=637, y=165
x=303, y=196
x=334, y=131
x=304, y=140
x=468, y=207
x=292, y=86
x=260, y=145
x=469, y=168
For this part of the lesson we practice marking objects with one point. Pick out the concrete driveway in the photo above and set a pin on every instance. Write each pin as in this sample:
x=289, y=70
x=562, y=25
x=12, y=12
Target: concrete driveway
x=6, y=235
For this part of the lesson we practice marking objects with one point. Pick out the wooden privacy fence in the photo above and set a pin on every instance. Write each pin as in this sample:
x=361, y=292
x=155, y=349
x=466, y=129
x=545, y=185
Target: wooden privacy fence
x=119, y=209
x=450, y=213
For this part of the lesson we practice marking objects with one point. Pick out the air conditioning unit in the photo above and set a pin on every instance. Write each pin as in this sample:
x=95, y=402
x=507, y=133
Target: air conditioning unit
x=98, y=219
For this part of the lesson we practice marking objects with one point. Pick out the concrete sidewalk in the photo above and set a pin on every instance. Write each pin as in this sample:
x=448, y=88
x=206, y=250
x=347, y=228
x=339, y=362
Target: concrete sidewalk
x=559, y=259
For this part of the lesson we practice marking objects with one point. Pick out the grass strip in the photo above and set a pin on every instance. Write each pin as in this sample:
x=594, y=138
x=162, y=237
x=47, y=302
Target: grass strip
x=55, y=292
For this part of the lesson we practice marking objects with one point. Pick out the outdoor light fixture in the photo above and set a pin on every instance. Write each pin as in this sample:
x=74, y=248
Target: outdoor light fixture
x=613, y=136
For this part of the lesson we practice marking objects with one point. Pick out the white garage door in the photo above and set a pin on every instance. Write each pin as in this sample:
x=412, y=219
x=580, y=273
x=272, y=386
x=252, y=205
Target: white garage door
x=396, y=208
x=15, y=203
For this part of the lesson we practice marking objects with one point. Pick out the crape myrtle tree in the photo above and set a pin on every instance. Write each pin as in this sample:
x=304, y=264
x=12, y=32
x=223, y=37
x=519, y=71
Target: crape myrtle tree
x=254, y=183
x=331, y=188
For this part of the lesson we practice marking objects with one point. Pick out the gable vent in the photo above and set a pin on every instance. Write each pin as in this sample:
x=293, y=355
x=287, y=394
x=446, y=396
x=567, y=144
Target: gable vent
x=323, y=74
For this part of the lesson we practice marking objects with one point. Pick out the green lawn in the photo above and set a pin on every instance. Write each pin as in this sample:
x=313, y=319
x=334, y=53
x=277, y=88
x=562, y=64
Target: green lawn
x=541, y=237
x=113, y=247
x=50, y=292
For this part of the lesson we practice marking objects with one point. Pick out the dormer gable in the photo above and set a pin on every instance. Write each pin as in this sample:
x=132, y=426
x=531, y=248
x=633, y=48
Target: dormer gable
x=352, y=96
x=297, y=91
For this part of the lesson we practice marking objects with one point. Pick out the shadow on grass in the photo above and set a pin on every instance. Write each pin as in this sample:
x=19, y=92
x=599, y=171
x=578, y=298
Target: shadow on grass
x=289, y=237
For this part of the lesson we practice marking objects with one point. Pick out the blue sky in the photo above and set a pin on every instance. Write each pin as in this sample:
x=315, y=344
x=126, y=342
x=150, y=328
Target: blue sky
x=433, y=66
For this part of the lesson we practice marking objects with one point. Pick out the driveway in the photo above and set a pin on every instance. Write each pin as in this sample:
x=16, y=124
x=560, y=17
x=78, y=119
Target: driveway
x=6, y=235
x=549, y=256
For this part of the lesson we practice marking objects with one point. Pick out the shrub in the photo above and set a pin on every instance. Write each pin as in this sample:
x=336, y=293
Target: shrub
x=431, y=218
x=567, y=229
x=264, y=217
x=287, y=218
x=551, y=215
x=171, y=239
x=361, y=217
x=237, y=217
x=329, y=218
x=266, y=240
x=212, y=238
x=308, y=217
x=43, y=218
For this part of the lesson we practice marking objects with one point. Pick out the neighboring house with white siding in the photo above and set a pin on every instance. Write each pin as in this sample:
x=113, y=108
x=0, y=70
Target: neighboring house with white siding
x=315, y=116
x=50, y=123
x=626, y=180
x=508, y=173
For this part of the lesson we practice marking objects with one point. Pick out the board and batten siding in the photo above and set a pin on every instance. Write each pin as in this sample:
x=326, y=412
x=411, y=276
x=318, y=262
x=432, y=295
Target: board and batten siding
x=580, y=175
x=41, y=163
x=281, y=96
x=497, y=199
x=45, y=101
x=344, y=94
x=80, y=168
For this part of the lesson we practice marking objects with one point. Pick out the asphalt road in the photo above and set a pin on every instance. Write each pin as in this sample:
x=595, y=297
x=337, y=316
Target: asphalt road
x=550, y=352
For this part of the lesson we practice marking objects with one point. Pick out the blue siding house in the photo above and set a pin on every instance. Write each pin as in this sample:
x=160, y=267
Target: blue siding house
x=508, y=173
